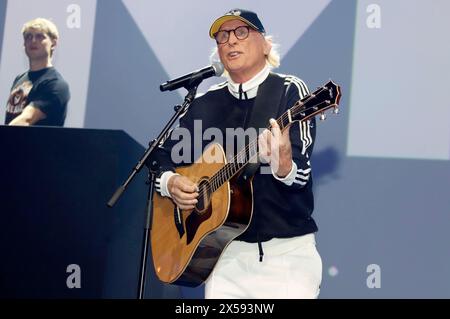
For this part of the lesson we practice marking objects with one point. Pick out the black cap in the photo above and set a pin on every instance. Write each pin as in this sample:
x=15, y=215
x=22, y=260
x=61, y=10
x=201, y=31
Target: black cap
x=246, y=16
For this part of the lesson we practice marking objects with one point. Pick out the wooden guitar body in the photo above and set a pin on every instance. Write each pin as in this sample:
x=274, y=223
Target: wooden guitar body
x=186, y=245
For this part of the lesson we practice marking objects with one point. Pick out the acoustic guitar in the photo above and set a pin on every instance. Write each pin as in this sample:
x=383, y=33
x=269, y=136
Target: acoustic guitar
x=186, y=244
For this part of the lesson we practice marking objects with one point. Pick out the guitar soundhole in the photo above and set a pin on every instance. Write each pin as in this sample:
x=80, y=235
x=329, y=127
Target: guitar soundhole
x=204, y=197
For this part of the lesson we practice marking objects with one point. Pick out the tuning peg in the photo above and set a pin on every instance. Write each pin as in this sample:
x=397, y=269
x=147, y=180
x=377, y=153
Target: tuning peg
x=336, y=110
x=323, y=116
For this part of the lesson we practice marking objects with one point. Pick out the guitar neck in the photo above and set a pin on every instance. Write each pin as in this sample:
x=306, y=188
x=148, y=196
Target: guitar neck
x=324, y=98
x=249, y=154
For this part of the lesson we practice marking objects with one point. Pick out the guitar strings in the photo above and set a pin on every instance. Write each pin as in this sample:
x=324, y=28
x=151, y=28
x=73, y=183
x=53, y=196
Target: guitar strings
x=234, y=164
x=220, y=176
x=232, y=167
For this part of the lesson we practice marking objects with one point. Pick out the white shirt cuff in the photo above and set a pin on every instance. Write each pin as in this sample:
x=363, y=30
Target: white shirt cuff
x=161, y=183
x=289, y=178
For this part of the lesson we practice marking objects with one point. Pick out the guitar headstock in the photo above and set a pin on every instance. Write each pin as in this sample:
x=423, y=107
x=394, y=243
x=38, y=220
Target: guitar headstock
x=324, y=98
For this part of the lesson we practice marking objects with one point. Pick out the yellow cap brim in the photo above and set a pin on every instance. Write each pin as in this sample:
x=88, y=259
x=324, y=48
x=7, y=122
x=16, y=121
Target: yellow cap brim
x=219, y=21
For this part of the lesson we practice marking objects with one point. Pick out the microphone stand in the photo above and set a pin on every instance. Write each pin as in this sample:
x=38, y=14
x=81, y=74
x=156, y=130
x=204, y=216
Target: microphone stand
x=153, y=170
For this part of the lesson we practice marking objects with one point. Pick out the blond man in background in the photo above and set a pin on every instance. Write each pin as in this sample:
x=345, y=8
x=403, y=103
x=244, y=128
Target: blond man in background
x=40, y=95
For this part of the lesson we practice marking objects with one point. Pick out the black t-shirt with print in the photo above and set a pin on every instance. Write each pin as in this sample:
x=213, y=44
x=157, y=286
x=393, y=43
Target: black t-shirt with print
x=44, y=89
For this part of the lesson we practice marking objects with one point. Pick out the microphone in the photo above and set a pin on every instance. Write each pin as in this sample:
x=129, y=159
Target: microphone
x=216, y=69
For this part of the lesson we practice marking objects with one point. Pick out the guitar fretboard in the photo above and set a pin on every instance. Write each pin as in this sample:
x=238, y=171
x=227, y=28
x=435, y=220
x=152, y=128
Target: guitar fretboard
x=317, y=102
x=245, y=156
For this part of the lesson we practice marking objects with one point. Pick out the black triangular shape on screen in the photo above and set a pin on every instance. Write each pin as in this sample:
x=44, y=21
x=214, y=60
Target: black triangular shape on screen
x=124, y=94
x=125, y=77
x=2, y=23
x=325, y=51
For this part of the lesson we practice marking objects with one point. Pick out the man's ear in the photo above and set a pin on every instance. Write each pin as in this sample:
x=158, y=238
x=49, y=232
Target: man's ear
x=267, y=46
x=54, y=43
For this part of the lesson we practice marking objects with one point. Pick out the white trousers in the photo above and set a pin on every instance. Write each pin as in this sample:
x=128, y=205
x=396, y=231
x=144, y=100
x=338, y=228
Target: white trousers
x=291, y=269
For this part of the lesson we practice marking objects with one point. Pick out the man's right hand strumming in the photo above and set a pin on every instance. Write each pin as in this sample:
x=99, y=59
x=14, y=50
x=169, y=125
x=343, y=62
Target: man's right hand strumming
x=183, y=191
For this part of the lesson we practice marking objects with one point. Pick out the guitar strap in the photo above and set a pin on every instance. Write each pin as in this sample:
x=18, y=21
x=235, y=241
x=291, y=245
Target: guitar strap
x=269, y=103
